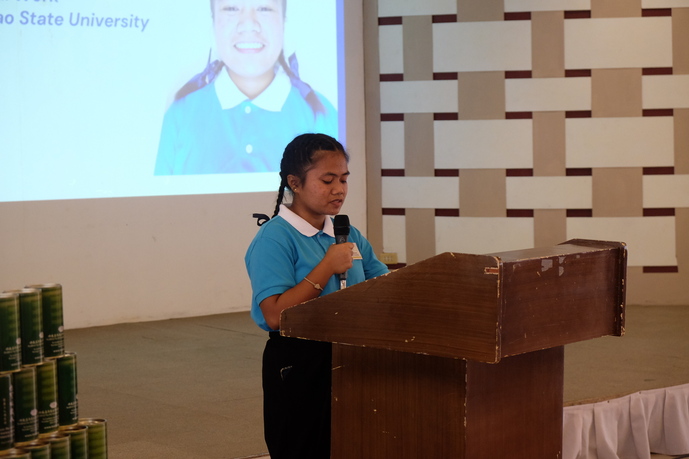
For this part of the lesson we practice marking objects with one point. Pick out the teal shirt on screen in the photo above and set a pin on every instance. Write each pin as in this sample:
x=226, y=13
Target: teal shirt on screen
x=218, y=130
x=286, y=249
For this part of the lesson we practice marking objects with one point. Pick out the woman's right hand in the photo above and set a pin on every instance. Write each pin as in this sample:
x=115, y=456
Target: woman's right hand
x=340, y=257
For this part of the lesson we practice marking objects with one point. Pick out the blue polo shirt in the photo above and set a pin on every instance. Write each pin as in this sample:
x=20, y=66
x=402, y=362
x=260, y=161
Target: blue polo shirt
x=218, y=130
x=287, y=248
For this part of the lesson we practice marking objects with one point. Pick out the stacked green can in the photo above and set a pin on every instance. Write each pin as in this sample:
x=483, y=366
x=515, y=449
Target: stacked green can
x=46, y=400
x=16, y=453
x=10, y=338
x=6, y=416
x=25, y=413
x=30, y=325
x=52, y=319
x=60, y=446
x=39, y=413
x=38, y=449
x=98, y=437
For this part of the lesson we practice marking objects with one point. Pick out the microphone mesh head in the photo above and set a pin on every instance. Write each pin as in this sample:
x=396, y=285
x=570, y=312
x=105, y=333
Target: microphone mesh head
x=341, y=225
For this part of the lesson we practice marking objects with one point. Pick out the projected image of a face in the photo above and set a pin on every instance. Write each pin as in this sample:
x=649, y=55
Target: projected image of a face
x=238, y=115
x=249, y=36
x=145, y=99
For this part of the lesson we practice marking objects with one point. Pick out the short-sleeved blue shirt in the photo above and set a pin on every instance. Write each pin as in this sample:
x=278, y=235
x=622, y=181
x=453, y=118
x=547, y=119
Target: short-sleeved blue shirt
x=287, y=248
x=217, y=130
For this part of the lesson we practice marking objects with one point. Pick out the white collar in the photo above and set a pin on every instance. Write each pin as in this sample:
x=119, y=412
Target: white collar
x=304, y=227
x=272, y=98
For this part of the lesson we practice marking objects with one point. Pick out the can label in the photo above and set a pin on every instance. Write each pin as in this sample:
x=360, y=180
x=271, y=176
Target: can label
x=97, y=437
x=46, y=390
x=6, y=413
x=10, y=338
x=38, y=449
x=16, y=453
x=53, y=321
x=25, y=411
x=67, y=399
x=78, y=441
x=31, y=326
x=59, y=445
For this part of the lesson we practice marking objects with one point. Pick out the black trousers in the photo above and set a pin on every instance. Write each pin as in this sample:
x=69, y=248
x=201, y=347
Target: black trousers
x=296, y=398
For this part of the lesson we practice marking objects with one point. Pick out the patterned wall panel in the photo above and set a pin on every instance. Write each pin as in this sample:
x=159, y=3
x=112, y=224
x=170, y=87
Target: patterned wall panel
x=507, y=124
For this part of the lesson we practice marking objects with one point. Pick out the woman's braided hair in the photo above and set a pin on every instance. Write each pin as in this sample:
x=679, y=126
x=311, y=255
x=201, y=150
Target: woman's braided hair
x=298, y=157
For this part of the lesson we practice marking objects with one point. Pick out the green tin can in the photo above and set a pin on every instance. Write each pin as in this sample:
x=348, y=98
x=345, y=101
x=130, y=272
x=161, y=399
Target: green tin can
x=46, y=395
x=67, y=398
x=59, y=445
x=6, y=413
x=98, y=437
x=16, y=453
x=78, y=441
x=38, y=449
x=25, y=408
x=30, y=325
x=53, y=319
x=10, y=337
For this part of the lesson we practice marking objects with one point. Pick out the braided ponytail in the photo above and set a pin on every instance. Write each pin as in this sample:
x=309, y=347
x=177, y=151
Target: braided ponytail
x=281, y=195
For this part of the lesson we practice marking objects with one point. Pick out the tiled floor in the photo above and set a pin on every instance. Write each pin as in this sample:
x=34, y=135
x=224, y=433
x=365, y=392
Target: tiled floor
x=191, y=388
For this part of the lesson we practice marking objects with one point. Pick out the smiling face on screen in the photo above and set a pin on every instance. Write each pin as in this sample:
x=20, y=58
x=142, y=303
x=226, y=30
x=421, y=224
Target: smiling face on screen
x=249, y=36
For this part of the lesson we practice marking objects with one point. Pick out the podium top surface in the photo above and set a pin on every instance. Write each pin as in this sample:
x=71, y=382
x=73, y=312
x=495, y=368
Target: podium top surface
x=477, y=307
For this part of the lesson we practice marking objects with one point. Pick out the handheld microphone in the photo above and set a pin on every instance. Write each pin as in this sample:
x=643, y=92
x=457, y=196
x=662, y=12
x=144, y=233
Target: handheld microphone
x=341, y=226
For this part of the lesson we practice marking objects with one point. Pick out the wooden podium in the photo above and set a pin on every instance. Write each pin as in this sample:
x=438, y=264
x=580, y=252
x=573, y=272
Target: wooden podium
x=462, y=356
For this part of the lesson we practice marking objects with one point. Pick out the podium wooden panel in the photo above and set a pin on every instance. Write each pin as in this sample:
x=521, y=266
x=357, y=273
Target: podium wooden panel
x=462, y=356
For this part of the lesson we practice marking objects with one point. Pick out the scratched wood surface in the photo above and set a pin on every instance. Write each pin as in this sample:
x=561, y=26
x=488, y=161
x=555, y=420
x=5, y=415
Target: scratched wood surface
x=477, y=307
x=389, y=404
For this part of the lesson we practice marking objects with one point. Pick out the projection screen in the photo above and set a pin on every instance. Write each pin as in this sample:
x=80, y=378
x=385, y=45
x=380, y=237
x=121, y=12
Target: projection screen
x=128, y=98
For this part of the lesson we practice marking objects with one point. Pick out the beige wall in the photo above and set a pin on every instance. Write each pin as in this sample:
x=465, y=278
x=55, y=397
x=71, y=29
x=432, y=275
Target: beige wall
x=506, y=124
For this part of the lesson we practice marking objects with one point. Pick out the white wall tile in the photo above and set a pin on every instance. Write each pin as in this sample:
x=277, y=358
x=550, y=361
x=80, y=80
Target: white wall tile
x=546, y=5
x=421, y=192
x=482, y=46
x=477, y=235
x=392, y=144
x=395, y=236
x=419, y=96
x=619, y=142
x=666, y=190
x=650, y=240
x=665, y=91
x=549, y=192
x=483, y=144
x=618, y=43
x=391, y=54
x=547, y=94
x=388, y=8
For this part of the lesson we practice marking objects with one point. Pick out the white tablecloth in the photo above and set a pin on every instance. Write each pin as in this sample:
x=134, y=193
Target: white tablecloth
x=630, y=427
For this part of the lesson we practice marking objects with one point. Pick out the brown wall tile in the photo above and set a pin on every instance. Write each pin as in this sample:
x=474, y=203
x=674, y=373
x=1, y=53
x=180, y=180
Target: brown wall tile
x=617, y=192
x=480, y=10
x=550, y=227
x=482, y=193
x=680, y=41
x=417, y=37
x=420, y=229
x=682, y=141
x=374, y=188
x=418, y=145
x=615, y=8
x=549, y=144
x=548, y=44
x=481, y=95
x=616, y=92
